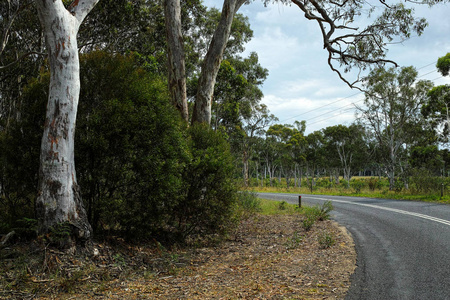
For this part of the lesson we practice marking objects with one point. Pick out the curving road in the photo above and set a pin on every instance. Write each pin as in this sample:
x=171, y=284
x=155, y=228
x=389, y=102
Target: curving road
x=403, y=247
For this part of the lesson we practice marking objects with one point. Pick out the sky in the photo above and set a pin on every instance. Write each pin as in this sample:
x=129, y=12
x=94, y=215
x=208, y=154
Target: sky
x=301, y=85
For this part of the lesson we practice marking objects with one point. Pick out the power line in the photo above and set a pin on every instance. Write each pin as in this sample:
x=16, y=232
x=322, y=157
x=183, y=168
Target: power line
x=341, y=99
x=353, y=103
x=307, y=112
x=350, y=96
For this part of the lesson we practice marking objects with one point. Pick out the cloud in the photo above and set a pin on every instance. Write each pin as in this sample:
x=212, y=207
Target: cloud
x=300, y=81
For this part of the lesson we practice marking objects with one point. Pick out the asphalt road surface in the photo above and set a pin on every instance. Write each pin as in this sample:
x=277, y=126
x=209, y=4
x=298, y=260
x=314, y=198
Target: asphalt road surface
x=403, y=247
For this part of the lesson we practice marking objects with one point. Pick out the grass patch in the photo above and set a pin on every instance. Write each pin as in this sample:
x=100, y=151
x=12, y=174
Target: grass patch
x=361, y=192
x=271, y=207
x=325, y=239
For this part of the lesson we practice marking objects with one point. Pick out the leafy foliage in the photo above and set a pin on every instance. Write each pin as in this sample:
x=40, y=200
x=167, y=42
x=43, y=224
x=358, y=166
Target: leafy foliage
x=142, y=174
x=248, y=202
x=325, y=240
x=443, y=64
x=210, y=191
x=130, y=147
x=319, y=212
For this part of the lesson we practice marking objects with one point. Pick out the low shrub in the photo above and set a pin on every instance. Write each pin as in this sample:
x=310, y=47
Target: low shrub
x=319, y=212
x=308, y=222
x=282, y=205
x=357, y=185
x=325, y=239
x=294, y=241
x=248, y=202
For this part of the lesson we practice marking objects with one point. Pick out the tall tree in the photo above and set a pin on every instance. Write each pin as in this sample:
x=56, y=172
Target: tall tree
x=346, y=142
x=211, y=63
x=314, y=153
x=437, y=107
x=59, y=198
x=393, y=100
x=254, y=125
x=176, y=57
x=346, y=45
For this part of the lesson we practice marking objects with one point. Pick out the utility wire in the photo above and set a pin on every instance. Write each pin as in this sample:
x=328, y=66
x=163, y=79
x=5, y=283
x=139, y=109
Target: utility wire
x=350, y=96
x=336, y=115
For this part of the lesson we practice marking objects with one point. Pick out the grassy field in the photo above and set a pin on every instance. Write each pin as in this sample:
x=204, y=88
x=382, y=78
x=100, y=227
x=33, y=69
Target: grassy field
x=368, y=187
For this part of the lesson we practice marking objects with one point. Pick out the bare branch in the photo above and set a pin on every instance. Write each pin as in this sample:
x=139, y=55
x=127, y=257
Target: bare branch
x=355, y=48
x=8, y=26
x=22, y=57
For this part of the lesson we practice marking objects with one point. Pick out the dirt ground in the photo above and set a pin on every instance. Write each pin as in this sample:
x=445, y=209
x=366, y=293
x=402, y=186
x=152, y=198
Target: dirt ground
x=268, y=257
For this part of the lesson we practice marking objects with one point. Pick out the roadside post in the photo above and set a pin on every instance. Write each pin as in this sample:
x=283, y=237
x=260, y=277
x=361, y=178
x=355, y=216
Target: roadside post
x=300, y=201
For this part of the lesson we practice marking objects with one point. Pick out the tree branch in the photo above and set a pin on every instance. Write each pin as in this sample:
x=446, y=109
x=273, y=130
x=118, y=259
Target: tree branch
x=80, y=9
x=22, y=57
x=360, y=49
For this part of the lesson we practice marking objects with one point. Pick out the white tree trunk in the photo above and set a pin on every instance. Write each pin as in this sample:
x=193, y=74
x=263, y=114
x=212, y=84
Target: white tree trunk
x=245, y=158
x=176, y=58
x=59, y=198
x=212, y=61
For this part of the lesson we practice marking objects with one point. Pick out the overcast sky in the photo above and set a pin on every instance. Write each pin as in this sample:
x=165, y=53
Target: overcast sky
x=301, y=86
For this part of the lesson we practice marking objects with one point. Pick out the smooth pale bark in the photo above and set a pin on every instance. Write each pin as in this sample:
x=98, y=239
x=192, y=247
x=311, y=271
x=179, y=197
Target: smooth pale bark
x=176, y=58
x=346, y=160
x=245, y=158
x=211, y=63
x=59, y=197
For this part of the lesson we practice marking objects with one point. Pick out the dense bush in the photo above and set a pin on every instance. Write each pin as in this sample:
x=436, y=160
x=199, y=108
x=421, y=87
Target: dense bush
x=20, y=141
x=423, y=181
x=142, y=173
x=210, y=191
x=324, y=182
x=357, y=185
x=130, y=147
x=248, y=203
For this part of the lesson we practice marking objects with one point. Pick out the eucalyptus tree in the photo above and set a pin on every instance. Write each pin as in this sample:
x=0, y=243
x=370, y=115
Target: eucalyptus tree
x=392, y=105
x=437, y=107
x=347, y=46
x=297, y=147
x=347, y=144
x=315, y=154
x=291, y=146
x=237, y=93
x=59, y=198
x=254, y=124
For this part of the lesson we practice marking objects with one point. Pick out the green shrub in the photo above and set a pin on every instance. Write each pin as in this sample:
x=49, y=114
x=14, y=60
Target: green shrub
x=294, y=241
x=319, y=212
x=357, y=185
x=373, y=183
x=142, y=173
x=423, y=181
x=323, y=211
x=249, y=202
x=325, y=240
x=308, y=222
x=398, y=185
x=282, y=205
x=343, y=184
x=130, y=148
x=325, y=183
x=210, y=191
x=19, y=159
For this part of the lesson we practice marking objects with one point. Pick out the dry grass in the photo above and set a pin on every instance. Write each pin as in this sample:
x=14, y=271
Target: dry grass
x=268, y=257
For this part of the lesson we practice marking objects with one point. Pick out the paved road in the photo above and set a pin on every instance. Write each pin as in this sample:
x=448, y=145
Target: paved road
x=403, y=247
